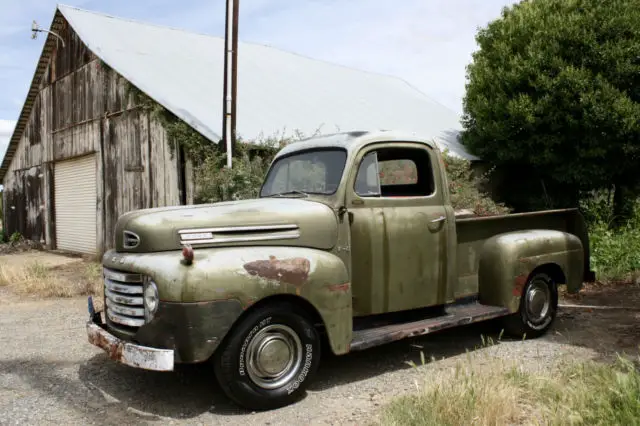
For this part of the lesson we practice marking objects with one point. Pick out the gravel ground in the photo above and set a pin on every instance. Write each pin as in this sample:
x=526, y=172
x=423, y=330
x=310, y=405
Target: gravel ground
x=49, y=373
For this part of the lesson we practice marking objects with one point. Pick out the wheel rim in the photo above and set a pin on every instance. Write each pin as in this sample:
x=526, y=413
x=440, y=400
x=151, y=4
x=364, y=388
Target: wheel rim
x=538, y=301
x=274, y=355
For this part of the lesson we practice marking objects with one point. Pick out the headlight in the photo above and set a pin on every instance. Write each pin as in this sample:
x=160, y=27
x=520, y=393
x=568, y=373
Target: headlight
x=150, y=299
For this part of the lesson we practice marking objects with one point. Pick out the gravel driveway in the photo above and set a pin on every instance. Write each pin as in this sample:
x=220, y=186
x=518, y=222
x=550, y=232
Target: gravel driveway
x=50, y=374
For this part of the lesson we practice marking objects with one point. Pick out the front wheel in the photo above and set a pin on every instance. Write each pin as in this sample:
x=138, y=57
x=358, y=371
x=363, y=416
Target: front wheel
x=538, y=308
x=269, y=358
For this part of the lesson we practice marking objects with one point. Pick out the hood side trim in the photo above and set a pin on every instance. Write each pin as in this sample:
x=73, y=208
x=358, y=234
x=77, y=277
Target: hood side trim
x=230, y=229
x=293, y=235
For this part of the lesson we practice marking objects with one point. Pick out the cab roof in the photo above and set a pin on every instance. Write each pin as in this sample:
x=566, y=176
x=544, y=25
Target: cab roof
x=353, y=141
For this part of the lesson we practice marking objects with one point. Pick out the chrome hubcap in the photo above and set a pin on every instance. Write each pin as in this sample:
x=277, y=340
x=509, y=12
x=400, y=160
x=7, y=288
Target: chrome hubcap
x=273, y=356
x=538, y=301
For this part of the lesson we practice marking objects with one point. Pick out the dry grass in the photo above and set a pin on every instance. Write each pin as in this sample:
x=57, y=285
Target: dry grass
x=499, y=393
x=469, y=395
x=36, y=279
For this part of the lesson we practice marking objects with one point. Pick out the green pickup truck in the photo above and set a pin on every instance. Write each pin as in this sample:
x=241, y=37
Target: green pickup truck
x=337, y=252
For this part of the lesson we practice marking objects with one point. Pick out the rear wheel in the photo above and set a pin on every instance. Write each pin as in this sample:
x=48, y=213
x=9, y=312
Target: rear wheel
x=269, y=358
x=538, y=308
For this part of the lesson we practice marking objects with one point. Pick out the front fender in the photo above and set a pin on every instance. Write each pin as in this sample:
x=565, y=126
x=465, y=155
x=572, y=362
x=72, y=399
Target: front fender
x=507, y=260
x=250, y=274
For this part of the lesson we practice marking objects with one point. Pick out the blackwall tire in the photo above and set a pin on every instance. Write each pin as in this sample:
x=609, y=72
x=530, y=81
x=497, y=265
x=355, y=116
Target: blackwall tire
x=538, y=308
x=269, y=358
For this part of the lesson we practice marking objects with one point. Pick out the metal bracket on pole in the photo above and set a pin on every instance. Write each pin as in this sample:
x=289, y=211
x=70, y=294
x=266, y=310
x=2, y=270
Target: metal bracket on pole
x=35, y=29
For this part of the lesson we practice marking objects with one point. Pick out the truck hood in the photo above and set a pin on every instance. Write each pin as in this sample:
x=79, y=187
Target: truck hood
x=263, y=221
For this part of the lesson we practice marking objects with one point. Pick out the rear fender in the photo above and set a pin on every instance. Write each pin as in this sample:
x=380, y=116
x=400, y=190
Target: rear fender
x=507, y=260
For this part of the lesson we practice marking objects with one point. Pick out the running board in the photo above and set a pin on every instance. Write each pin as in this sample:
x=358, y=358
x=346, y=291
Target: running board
x=456, y=315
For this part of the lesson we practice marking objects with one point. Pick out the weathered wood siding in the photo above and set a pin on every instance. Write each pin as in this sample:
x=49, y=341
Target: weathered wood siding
x=81, y=109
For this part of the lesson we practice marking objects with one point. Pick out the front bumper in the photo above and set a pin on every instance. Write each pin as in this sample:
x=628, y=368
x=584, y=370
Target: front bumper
x=128, y=353
x=178, y=333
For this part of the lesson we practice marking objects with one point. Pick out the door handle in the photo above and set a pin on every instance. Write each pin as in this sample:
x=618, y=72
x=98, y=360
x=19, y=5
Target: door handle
x=440, y=219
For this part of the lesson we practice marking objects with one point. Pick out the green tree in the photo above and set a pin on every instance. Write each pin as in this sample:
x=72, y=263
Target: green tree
x=553, y=99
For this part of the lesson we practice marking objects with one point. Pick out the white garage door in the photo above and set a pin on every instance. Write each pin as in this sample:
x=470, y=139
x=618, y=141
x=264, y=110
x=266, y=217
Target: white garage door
x=75, y=204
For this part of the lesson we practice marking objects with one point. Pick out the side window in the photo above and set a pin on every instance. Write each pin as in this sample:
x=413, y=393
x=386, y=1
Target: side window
x=367, y=181
x=400, y=172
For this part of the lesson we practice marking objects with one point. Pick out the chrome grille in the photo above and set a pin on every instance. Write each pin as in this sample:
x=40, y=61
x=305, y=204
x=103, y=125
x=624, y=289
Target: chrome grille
x=124, y=297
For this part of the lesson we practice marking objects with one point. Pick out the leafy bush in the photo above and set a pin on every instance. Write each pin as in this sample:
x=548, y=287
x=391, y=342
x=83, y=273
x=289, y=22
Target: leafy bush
x=464, y=187
x=553, y=96
x=615, y=251
x=216, y=183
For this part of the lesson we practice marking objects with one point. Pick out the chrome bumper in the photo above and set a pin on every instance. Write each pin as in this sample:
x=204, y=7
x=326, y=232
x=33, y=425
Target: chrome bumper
x=128, y=353
x=125, y=352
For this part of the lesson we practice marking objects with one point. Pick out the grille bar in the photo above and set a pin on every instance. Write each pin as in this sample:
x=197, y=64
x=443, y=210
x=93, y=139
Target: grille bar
x=123, y=298
x=125, y=277
x=120, y=288
x=126, y=310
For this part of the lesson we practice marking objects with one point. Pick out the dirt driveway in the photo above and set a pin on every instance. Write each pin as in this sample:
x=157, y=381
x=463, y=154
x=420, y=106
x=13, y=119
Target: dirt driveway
x=49, y=373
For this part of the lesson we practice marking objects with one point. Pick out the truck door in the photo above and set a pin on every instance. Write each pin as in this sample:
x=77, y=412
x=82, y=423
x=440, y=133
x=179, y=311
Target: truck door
x=398, y=229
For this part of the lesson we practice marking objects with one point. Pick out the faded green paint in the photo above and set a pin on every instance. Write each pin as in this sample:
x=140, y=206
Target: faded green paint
x=476, y=237
x=246, y=274
x=158, y=228
x=399, y=257
x=192, y=330
x=507, y=261
x=346, y=255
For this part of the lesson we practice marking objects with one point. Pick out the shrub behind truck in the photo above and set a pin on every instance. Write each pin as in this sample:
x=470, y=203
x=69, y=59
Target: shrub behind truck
x=332, y=251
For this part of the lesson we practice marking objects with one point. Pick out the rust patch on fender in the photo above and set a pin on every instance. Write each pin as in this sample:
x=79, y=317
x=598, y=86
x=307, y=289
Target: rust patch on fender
x=520, y=282
x=293, y=271
x=339, y=287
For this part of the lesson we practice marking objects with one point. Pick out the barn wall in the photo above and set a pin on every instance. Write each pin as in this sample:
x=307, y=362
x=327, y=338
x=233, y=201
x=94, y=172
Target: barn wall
x=81, y=109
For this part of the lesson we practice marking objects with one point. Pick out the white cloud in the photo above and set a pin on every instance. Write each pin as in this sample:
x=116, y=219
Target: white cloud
x=6, y=129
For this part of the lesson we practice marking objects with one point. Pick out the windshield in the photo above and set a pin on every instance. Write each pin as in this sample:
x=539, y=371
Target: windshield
x=309, y=172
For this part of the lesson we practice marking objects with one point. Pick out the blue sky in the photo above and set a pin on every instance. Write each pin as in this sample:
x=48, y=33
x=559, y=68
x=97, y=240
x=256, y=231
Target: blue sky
x=426, y=42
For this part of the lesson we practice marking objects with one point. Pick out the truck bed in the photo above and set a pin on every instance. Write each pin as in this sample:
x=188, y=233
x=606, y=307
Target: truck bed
x=473, y=232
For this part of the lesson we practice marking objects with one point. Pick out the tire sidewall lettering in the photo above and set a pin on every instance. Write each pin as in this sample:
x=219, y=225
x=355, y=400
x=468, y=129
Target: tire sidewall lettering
x=308, y=354
x=243, y=349
x=308, y=360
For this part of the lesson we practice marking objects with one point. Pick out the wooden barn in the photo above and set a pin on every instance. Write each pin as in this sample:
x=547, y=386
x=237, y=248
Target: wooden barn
x=83, y=153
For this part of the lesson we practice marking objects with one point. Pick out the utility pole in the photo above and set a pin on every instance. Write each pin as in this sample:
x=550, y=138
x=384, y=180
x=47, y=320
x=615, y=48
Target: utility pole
x=230, y=77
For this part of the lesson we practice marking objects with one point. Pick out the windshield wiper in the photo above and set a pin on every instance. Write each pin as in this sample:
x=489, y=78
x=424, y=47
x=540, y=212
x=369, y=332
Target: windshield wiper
x=281, y=194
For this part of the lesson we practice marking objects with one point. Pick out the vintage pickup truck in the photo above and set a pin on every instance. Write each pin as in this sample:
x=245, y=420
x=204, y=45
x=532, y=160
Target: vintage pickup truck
x=334, y=253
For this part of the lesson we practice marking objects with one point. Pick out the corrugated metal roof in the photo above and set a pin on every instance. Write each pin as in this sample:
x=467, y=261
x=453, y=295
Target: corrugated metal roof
x=278, y=92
